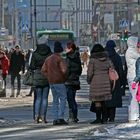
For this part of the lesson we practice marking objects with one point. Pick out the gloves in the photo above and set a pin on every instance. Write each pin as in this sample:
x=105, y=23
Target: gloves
x=133, y=86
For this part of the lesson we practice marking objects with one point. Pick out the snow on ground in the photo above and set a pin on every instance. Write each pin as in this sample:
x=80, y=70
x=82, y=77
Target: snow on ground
x=120, y=131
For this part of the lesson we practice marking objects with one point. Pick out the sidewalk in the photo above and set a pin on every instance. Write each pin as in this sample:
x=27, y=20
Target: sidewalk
x=16, y=120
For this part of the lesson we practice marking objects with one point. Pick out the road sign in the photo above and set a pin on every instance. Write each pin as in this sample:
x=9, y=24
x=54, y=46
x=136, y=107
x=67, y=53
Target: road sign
x=123, y=23
x=25, y=28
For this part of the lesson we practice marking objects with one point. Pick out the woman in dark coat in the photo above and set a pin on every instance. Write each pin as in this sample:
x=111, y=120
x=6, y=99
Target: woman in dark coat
x=72, y=83
x=98, y=78
x=40, y=82
x=116, y=93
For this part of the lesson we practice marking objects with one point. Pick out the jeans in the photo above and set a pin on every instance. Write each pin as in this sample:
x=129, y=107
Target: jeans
x=41, y=101
x=13, y=76
x=59, y=100
x=71, y=94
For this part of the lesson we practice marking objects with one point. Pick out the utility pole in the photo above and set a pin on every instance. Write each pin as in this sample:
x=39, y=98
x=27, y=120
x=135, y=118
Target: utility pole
x=35, y=25
x=3, y=24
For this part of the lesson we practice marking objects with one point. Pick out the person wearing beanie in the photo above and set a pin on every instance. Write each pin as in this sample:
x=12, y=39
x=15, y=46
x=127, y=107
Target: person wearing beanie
x=55, y=69
x=116, y=100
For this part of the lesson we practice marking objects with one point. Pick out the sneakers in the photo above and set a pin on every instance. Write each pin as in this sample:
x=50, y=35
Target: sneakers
x=70, y=120
x=60, y=122
x=38, y=120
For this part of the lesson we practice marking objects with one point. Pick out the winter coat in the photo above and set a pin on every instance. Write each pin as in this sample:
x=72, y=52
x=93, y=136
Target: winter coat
x=84, y=56
x=37, y=61
x=17, y=63
x=131, y=56
x=74, y=70
x=137, y=78
x=116, y=100
x=55, y=69
x=4, y=65
x=98, y=77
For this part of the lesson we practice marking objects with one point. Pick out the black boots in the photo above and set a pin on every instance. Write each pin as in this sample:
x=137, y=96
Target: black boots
x=98, y=116
x=73, y=116
x=101, y=115
x=111, y=114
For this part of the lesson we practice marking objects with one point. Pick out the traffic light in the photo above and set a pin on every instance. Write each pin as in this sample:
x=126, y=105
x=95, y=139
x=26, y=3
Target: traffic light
x=125, y=38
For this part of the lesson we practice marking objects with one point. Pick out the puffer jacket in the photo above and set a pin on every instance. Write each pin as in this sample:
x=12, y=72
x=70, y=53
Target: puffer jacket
x=74, y=69
x=37, y=61
x=137, y=78
x=98, y=78
x=131, y=56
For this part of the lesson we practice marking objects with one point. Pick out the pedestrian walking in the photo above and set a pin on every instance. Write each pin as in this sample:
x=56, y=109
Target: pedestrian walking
x=98, y=78
x=39, y=81
x=116, y=100
x=17, y=66
x=85, y=58
x=55, y=69
x=4, y=68
x=72, y=83
x=131, y=57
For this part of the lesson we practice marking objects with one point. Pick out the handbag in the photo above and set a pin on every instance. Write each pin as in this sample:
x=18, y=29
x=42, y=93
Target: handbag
x=28, y=78
x=1, y=85
x=93, y=107
x=138, y=93
x=113, y=76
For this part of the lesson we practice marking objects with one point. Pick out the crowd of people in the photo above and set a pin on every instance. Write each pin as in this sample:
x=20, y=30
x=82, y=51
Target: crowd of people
x=52, y=71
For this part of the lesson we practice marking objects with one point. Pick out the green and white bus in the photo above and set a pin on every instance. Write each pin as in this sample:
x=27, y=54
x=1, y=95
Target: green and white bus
x=62, y=36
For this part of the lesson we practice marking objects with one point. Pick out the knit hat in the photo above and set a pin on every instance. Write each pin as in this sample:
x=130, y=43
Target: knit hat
x=17, y=46
x=42, y=40
x=58, y=47
x=111, y=43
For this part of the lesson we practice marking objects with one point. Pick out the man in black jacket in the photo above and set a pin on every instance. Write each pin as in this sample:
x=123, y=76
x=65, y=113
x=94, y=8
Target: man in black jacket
x=17, y=64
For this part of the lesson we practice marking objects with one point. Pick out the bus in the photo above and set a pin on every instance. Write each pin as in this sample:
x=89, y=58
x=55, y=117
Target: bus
x=62, y=36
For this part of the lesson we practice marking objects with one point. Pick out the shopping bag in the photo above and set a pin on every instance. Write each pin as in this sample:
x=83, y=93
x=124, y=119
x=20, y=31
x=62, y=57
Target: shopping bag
x=92, y=107
x=28, y=78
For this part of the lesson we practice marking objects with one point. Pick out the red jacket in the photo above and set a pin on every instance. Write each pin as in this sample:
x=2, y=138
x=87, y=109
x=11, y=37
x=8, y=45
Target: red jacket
x=4, y=65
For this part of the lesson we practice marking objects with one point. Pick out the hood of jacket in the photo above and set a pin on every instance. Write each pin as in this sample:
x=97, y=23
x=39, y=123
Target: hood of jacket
x=102, y=56
x=73, y=56
x=110, y=47
x=132, y=42
x=43, y=50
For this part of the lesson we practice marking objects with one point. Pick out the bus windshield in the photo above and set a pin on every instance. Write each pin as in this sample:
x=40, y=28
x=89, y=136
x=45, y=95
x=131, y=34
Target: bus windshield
x=62, y=36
